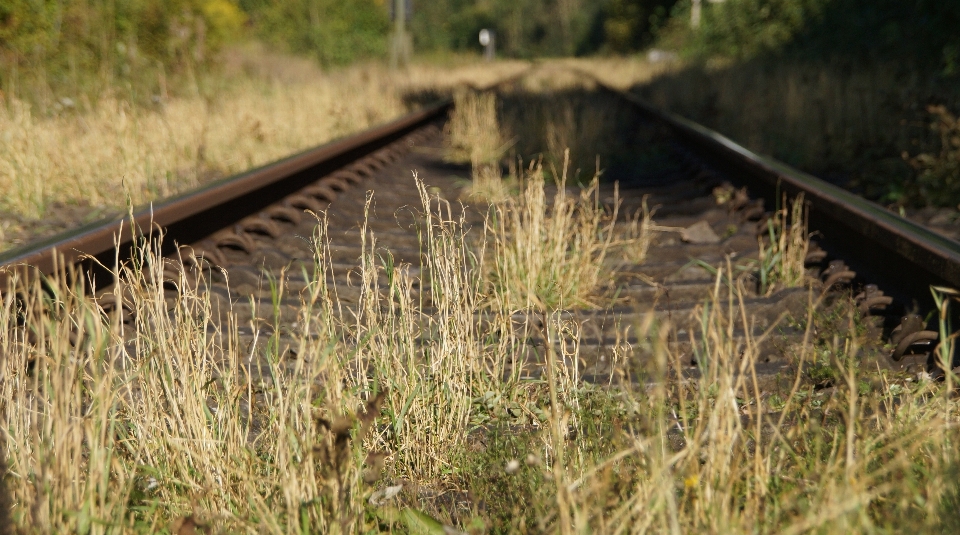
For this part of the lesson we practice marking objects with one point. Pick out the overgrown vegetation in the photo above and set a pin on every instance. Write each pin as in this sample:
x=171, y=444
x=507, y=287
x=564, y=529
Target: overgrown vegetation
x=159, y=413
x=742, y=28
x=153, y=409
x=473, y=133
x=919, y=32
x=938, y=179
x=783, y=248
x=549, y=254
x=59, y=53
x=535, y=28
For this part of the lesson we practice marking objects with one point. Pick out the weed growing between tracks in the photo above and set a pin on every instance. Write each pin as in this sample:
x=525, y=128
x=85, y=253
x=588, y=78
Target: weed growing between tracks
x=550, y=254
x=473, y=136
x=784, y=247
x=405, y=412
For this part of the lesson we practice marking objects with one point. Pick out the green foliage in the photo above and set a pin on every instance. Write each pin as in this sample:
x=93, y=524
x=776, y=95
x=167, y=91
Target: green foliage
x=919, y=31
x=938, y=174
x=334, y=31
x=524, y=28
x=66, y=47
x=744, y=28
x=631, y=24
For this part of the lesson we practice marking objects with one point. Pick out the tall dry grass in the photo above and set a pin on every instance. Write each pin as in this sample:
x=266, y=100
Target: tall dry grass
x=473, y=133
x=783, y=244
x=167, y=415
x=549, y=253
x=744, y=462
x=127, y=421
x=473, y=136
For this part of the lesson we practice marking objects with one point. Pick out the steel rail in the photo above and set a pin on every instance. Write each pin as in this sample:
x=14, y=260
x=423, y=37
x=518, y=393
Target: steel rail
x=883, y=247
x=199, y=213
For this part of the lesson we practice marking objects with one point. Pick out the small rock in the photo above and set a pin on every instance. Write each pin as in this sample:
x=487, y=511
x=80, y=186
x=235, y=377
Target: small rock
x=384, y=495
x=661, y=56
x=700, y=232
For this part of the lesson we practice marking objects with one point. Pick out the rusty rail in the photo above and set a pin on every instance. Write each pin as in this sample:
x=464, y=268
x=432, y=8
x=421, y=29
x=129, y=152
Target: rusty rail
x=194, y=215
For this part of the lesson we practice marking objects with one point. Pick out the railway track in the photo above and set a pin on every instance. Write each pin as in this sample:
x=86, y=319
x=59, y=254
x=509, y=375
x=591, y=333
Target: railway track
x=252, y=230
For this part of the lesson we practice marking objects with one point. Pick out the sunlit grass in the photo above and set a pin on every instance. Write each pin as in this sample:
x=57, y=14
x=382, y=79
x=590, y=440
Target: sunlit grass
x=163, y=414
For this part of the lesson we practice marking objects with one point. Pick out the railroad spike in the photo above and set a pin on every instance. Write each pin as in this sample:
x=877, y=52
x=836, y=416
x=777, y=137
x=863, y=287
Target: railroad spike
x=283, y=214
x=321, y=192
x=872, y=298
x=837, y=272
x=909, y=324
x=305, y=202
x=909, y=335
x=259, y=226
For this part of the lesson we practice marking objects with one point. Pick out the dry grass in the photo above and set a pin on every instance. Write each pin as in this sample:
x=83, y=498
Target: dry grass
x=792, y=464
x=129, y=421
x=473, y=133
x=619, y=72
x=115, y=150
x=549, y=253
x=137, y=423
x=636, y=234
x=784, y=246
x=168, y=414
x=473, y=136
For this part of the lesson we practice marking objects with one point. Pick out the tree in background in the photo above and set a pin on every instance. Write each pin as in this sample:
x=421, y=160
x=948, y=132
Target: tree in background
x=52, y=51
x=333, y=31
x=744, y=28
x=78, y=46
x=531, y=28
x=911, y=31
x=525, y=28
x=629, y=25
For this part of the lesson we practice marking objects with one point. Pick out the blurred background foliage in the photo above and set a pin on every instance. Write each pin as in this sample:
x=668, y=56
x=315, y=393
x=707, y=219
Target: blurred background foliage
x=840, y=88
x=55, y=49
x=57, y=46
x=919, y=31
x=333, y=31
x=73, y=47
x=536, y=28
